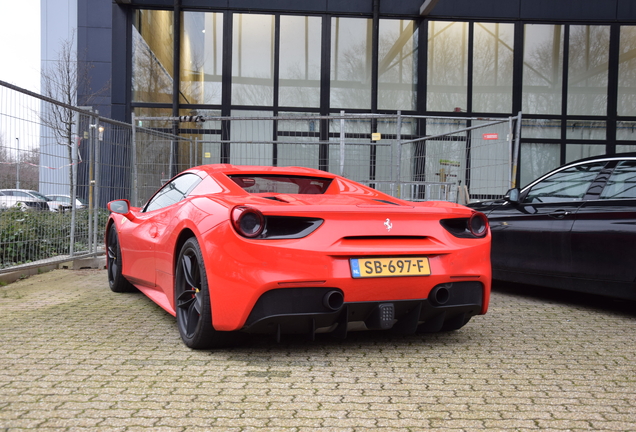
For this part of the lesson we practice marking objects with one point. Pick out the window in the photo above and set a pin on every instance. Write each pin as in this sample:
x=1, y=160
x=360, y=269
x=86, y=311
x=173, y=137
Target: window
x=351, y=63
x=622, y=183
x=253, y=60
x=201, y=57
x=282, y=184
x=397, y=76
x=173, y=192
x=492, y=70
x=447, y=66
x=627, y=72
x=588, y=62
x=152, y=52
x=569, y=184
x=542, y=69
x=300, y=39
x=540, y=158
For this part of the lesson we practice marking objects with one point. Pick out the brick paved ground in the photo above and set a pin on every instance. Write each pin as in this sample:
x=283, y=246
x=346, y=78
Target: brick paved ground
x=75, y=356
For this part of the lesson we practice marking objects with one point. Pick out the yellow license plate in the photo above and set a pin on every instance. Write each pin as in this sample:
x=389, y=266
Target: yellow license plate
x=389, y=267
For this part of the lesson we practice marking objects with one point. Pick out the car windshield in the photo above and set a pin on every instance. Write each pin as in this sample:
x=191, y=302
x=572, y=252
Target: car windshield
x=282, y=184
x=40, y=196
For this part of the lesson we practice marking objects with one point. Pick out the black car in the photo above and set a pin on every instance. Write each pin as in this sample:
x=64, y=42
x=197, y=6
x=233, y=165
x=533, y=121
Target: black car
x=573, y=228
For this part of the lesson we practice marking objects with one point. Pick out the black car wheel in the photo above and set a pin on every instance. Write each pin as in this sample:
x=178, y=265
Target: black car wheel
x=116, y=281
x=192, y=299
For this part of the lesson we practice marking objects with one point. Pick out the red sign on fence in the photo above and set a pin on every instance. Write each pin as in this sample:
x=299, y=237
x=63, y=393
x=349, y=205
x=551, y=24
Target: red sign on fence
x=491, y=136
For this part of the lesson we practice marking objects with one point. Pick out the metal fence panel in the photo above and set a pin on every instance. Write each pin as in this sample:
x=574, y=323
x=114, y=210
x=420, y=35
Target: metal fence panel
x=93, y=160
x=79, y=158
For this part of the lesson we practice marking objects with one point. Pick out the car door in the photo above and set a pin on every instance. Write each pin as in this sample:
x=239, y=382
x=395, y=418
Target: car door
x=163, y=207
x=604, y=231
x=139, y=238
x=533, y=235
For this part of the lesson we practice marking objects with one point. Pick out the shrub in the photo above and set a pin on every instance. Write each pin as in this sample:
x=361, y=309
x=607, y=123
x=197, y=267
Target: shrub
x=27, y=236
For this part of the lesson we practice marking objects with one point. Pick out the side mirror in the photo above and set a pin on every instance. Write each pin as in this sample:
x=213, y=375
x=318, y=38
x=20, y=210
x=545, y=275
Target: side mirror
x=121, y=207
x=512, y=196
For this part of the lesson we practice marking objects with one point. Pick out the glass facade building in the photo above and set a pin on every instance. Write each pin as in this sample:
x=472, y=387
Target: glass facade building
x=567, y=65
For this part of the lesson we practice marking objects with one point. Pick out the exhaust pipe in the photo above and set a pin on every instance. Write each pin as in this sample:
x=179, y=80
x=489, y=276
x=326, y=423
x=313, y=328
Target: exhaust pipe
x=440, y=295
x=333, y=300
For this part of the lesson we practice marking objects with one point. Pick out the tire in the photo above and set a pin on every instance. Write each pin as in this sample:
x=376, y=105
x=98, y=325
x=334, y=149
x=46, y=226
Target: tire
x=192, y=300
x=116, y=281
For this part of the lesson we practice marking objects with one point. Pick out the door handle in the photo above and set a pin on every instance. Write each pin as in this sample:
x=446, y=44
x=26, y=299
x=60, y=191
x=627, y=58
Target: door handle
x=153, y=231
x=560, y=214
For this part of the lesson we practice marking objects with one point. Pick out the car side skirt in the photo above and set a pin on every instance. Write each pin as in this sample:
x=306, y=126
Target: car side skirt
x=614, y=289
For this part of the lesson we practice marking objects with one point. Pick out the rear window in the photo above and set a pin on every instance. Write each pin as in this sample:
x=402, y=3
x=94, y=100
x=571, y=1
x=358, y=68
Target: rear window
x=282, y=184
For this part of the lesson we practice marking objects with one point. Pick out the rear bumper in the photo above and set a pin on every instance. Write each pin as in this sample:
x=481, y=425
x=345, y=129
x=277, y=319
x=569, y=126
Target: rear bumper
x=309, y=311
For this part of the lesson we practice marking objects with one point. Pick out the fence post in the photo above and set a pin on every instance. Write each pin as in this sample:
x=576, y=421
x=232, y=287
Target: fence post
x=398, y=142
x=91, y=201
x=342, y=142
x=133, y=161
x=515, y=153
x=73, y=186
x=96, y=183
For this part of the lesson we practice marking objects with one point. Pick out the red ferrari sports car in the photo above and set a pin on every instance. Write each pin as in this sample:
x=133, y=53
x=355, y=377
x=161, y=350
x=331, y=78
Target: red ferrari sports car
x=296, y=250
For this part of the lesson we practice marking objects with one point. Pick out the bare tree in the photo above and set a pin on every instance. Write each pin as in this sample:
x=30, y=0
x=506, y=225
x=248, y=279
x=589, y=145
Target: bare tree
x=62, y=81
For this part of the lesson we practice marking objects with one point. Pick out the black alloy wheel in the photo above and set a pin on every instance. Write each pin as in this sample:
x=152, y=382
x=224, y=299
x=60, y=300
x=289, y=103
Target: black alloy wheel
x=116, y=281
x=192, y=300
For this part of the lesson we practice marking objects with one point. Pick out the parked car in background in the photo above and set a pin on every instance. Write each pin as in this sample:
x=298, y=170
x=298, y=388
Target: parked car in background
x=80, y=203
x=9, y=199
x=573, y=228
x=29, y=197
x=274, y=250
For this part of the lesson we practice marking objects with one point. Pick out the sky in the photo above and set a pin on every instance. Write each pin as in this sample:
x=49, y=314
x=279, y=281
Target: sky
x=20, y=46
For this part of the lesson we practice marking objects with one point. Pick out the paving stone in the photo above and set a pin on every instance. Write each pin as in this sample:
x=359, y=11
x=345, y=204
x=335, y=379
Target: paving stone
x=81, y=358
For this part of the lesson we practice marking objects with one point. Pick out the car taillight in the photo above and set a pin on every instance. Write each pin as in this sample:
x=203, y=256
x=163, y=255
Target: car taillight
x=478, y=224
x=248, y=222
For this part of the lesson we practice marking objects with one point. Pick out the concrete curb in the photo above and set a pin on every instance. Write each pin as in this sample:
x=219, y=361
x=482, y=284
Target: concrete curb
x=98, y=262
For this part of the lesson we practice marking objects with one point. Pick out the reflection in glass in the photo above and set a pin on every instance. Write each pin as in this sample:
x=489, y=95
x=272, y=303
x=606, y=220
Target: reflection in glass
x=627, y=72
x=447, y=66
x=152, y=56
x=396, y=69
x=206, y=137
x=625, y=148
x=153, y=112
x=303, y=138
x=541, y=128
x=538, y=159
x=492, y=70
x=542, y=69
x=622, y=183
x=579, y=129
x=300, y=61
x=351, y=63
x=201, y=57
x=153, y=153
x=251, y=139
x=253, y=59
x=587, y=70
x=569, y=184
x=579, y=151
x=626, y=130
